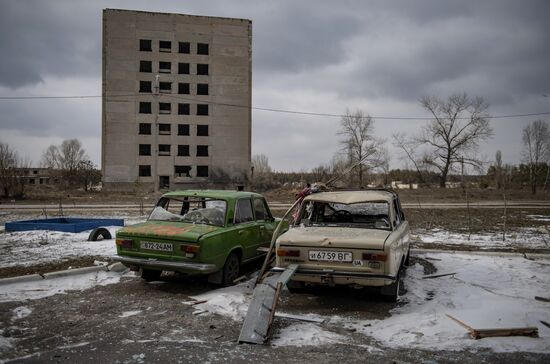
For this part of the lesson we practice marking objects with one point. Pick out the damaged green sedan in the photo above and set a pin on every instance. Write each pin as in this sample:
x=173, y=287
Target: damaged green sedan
x=194, y=232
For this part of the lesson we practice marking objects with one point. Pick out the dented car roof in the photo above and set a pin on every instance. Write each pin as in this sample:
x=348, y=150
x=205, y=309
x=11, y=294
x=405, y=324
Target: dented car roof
x=348, y=197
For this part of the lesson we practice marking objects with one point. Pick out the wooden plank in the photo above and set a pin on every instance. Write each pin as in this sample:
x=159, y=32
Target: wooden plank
x=299, y=317
x=438, y=275
x=545, y=323
x=469, y=328
x=542, y=299
x=287, y=274
x=511, y=331
x=256, y=323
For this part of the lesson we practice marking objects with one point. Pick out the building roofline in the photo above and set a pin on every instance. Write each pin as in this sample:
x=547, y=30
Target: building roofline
x=179, y=14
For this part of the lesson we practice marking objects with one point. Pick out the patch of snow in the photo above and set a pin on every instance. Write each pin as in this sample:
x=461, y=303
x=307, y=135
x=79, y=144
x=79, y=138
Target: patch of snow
x=228, y=301
x=48, y=287
x=71, y=346
x=524, y=238
x=130, y=313
x=6, y=343
x=302, y=334
x=539, y=217
x=20, y=312
x=486, y=292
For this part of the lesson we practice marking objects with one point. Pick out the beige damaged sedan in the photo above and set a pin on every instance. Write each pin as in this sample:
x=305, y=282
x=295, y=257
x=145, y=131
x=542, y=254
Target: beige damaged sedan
x=357, y=238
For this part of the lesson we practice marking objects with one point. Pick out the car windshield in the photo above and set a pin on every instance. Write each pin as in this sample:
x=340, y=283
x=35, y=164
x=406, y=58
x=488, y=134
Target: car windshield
x=196, y=210
x=368, y=215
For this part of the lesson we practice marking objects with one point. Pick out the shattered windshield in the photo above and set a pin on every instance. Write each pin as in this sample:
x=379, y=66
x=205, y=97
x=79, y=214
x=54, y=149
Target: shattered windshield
x=368, y=215
x=196, y=210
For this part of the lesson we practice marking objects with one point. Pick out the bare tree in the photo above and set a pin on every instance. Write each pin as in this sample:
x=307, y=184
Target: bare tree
x=66, y=158
x=458, y=125
x=87, y=174
x=498, y=169
x=11, y=183
x=359, y=143
x=261, y=171
x=536, y=149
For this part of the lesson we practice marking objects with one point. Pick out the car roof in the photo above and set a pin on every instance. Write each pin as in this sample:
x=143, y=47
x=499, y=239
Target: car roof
x=216, y=194
x=347, y=197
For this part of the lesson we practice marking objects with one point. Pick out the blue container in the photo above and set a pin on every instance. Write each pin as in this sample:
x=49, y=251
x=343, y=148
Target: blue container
x=67, y=224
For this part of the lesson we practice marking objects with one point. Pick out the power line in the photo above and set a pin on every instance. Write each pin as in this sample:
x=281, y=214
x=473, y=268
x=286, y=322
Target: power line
x=296, y=112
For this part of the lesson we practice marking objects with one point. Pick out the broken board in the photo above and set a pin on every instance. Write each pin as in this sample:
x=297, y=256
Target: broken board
x=261, y=310
x=512, y=331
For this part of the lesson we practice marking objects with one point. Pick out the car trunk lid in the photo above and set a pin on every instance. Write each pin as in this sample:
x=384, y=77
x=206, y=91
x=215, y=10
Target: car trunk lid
x=335, y=237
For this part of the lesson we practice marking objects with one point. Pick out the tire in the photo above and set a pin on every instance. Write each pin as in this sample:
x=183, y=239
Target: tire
x=99, y=232
x=231, y=269
x=150, y=274
x=295, y=286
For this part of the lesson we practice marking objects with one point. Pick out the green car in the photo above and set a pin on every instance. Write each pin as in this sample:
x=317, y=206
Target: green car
x=198, y=232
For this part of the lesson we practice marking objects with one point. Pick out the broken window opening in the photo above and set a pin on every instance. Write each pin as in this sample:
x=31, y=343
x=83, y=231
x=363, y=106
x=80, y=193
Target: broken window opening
x=183, y=109
x=202, y=150
x=145, y=149
x=202, y=171
x=183, y=129
x=145, y=171
x=202, y=109
x=183, y=150
x=182, y=171
x=202, y=69
x=184, y=47
x=183, y=68
x=202, y=130
x=144, y=128
x=145, y=86
x=202, y=48
x=145, y=45
x=146, y=66
x=165, y=67
x=164, y=149
x=183, y=88
x=165, y=87
x=144, y=107
x=165, y=107
x=165, y=46
x=164, y=129
x=202, y=89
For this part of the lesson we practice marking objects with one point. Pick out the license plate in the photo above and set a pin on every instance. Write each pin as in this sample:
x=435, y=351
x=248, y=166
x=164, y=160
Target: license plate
x=330, y=256
x=150, y=245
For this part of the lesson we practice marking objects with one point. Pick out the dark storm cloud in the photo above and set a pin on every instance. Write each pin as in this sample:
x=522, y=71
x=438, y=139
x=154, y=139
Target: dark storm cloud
x=40, y=38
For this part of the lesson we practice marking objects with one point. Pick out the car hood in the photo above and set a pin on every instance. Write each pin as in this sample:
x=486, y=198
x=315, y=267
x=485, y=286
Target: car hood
x=167, y=230
x=337, y=237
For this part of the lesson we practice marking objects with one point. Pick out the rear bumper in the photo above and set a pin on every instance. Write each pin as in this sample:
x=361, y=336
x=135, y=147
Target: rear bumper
x=184, y=267
x=332, y=277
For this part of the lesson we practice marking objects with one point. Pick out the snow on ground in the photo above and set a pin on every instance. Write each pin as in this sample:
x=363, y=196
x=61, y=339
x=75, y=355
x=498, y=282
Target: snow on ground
x=26, y=248
x=487, y=291
x=20, y=312
x=539, y=217
x=525, y=238
x=48, y=287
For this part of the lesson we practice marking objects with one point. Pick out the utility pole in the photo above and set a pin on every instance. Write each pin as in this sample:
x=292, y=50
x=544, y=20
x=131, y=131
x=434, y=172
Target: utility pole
x=155, y=136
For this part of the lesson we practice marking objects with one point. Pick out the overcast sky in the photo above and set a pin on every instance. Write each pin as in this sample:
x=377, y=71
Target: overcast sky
x=315, y=56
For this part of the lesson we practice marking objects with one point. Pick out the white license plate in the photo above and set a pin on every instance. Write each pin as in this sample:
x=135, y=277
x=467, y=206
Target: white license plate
x=150, y=245
x=330, y=256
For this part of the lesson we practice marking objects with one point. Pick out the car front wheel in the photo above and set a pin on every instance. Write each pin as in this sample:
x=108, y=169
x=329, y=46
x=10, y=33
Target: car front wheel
x=231, y=269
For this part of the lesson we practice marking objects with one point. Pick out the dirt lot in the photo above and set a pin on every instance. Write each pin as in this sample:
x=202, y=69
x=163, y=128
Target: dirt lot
x=136, y=322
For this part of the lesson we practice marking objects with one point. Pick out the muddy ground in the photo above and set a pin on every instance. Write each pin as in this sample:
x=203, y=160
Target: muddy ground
x=90, y=327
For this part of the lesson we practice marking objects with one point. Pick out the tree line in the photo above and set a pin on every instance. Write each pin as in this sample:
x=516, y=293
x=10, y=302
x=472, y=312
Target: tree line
x=68, y=163
x=442, y=151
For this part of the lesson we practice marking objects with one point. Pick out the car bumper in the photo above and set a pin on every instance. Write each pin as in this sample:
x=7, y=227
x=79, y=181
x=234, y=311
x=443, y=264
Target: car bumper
x=335, y=277
x=185, y=267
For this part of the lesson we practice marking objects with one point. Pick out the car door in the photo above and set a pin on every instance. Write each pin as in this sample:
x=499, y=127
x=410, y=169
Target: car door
x=265, y=222
x=248, y=231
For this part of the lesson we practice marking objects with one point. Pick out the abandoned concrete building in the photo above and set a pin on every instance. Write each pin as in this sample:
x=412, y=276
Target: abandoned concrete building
x=176, y=110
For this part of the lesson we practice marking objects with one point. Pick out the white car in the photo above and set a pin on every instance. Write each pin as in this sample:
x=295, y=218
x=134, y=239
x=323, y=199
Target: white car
x=358, y=238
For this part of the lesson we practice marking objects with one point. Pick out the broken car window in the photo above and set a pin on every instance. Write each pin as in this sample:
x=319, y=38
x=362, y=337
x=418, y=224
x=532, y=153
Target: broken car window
x=369, y=215
x=193, y=210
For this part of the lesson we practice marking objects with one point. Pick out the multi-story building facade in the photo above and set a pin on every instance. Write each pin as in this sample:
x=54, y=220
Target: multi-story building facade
x=176, y=109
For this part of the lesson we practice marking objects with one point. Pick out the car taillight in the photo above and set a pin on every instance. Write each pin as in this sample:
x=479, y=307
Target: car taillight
x=288, y=253
x=376, y=257
x=124, y=243
x=190, y=249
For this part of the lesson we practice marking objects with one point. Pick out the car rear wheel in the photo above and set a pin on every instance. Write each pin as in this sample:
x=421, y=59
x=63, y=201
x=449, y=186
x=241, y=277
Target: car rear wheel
x=150, y=274
x=231, y=269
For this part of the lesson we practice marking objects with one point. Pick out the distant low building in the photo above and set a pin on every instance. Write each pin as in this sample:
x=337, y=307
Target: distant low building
x=37, y=176
x=398, y=185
